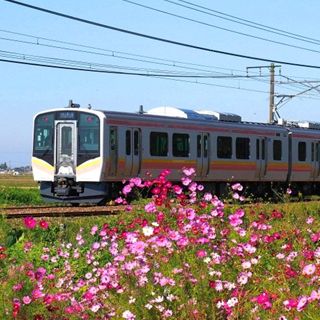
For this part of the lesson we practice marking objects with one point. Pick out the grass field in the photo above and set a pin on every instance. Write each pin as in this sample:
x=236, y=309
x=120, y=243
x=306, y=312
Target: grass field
x=18, y=190
x=182, y=255
x=21, y=181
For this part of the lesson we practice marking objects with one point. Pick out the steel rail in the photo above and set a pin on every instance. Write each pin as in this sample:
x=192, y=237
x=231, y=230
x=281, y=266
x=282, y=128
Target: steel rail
x=55, y=211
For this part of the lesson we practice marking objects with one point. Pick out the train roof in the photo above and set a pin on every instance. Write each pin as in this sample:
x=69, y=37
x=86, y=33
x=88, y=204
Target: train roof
x=202, y=117
x=206, y=117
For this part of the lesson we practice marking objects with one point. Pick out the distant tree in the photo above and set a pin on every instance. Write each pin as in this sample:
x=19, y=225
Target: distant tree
x=3, y=166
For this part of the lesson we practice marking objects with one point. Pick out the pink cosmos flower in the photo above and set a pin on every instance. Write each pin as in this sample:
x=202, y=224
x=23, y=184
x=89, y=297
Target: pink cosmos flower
x=136, y=181
x=190, y=213
x=43, y=224
x=30, y=222
x=40, y=273
x=235, y=220
x=207, y=196
x=27, y=246
x=150, y=207
x=236, y=196
x=95, y=246
x=18, y=286
x=200, y=187
x=201, y=253
x=36, y=293
x=94, y=229
x=137, y=247
x=188, y=171
x=26, y=300
x=309, y=220
x=315, y=237
x=95, y=308
x=186, y=181
x=309, y=269
x=302, y=303
x=118, y=200
x=177, y=189
x=290, y=303
x=126, y=189
x=167, y=313
x=263, y=300
x=128, y=315
x=237, y=187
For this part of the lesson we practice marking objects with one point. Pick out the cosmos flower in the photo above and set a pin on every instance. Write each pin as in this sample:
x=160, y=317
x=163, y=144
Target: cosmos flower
x=30, y=222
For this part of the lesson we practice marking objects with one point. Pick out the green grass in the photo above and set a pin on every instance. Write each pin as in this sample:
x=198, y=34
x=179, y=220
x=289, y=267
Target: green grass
x=21, y=181
x=19, y=196
x=191, y=296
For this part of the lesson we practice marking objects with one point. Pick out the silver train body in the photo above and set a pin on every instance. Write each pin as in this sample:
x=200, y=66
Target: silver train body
x=82, y=155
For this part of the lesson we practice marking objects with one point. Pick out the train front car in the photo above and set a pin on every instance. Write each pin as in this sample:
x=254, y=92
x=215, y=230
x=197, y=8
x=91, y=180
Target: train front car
x=67, y=157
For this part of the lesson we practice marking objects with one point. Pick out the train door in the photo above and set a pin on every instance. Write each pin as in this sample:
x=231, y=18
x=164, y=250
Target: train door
x=113, y=151
x=66, y=148
x=132, y=151
x=315, y=160
x=261, y=157
x=202, y=154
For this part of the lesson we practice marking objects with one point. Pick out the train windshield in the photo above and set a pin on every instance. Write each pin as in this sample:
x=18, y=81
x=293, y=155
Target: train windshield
x=89, y=135
x=44, y=133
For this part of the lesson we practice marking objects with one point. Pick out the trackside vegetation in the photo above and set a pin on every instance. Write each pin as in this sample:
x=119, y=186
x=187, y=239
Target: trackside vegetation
x=185, y=254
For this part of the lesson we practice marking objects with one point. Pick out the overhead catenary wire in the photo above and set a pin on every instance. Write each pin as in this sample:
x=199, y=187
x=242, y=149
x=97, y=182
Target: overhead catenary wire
x=119, y=54
x=245, y=22
x=114, y=54
x=159, y=76
x=126, y=73
x=220, y=28
x=98, y=67
x=124, y=55
x=164, y=40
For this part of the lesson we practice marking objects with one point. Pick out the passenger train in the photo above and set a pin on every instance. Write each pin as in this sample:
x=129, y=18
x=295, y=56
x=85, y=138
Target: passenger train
x=81, y=155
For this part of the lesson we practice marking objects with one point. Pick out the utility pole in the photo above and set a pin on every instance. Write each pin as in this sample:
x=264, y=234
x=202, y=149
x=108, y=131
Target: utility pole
x=271, y=95
x=271, y=99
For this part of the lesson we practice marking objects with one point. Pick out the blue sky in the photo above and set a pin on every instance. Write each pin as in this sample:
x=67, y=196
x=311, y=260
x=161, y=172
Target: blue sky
x=27, y=90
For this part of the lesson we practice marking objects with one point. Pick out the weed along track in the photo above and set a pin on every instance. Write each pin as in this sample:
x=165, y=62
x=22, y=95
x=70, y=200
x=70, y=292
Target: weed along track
x=50, y=211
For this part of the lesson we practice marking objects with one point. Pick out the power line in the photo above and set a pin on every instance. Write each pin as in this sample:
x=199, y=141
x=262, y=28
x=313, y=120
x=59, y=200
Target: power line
x=244, y=22
x=95, y=67
x=259, y=79
x=117, y=54
x=217, y=27
x=127, y=73
x=142, y=35
x=114, y=53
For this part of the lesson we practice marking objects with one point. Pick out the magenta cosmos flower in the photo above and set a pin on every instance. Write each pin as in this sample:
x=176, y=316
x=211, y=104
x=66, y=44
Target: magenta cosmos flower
x=43, y=224
x=30, y=222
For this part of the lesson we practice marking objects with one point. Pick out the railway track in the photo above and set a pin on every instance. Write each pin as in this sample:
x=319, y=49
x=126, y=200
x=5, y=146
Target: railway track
x=61, y=211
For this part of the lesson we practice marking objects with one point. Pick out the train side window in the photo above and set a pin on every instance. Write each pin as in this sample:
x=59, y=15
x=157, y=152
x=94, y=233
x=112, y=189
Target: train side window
x=136, y=142
x=224, y=147
x=159, y=144
x=257, y=149
x=206, y=146
x=312, y=151
x=277, y=150
x=198, y=145
x=180, y=145
x=242, y=148
x=128, y=142
x=113, y=138
x=263, y=147
x=302, y=151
